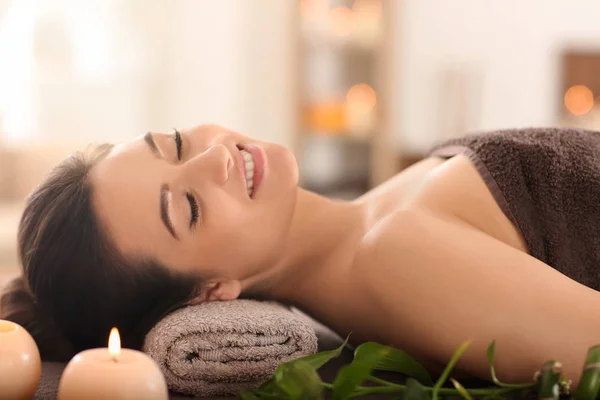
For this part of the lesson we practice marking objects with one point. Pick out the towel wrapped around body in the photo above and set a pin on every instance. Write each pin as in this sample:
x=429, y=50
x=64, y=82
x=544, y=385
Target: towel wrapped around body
x=547, y=182
x=217, y=348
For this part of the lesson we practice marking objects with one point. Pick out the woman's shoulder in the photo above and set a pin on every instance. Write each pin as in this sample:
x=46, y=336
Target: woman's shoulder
x=399, y=233
x=453, y=191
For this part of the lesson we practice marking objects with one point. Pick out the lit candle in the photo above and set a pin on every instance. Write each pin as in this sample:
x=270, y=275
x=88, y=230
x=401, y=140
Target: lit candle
x=112, y=373
x=20, y=364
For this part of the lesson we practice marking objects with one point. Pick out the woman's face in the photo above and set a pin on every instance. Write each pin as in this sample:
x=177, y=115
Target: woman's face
x=206, y=200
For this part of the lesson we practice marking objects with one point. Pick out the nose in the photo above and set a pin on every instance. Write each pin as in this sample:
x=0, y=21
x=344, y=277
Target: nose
x=213, y=164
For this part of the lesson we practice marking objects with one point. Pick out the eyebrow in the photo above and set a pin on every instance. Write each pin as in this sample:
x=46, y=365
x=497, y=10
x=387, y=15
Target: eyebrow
x=151, y=143
x=164, y=214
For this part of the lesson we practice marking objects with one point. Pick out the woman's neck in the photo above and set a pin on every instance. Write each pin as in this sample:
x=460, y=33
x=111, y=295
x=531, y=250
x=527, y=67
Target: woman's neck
x=322, y=240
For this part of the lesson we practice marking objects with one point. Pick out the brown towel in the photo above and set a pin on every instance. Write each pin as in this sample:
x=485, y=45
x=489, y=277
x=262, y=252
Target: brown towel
x=547, y=181
x=218, y=348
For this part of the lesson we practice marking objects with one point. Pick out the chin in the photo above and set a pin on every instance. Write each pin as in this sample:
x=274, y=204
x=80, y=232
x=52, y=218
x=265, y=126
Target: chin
x=292, y=165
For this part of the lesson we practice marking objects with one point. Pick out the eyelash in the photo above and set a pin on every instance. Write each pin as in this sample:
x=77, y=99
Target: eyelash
x=193, y=208
x=178, y=143
x=190, y=198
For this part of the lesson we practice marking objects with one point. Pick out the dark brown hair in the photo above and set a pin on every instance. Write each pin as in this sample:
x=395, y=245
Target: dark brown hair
x=75, y=286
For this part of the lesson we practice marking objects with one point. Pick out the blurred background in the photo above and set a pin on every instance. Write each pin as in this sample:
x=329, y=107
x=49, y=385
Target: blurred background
x=359, y=89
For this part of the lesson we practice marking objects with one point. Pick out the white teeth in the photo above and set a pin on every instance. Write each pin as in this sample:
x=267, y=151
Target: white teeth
x=249, y=164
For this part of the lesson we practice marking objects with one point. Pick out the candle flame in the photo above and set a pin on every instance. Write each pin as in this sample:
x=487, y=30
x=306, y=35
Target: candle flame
x=114, y=343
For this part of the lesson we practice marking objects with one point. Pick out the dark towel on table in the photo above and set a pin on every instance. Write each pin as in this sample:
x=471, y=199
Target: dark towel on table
x=547, y=181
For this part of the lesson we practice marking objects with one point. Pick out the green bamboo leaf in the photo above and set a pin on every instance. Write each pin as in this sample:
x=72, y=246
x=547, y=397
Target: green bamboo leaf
x=299, y=380
x=317, y=360
x=461, y=390
x=395, y=360
x=269, y=391
x=268, y=385
x=274, y=395
x=493, y=396
x=414, y=391
x=589, y=384
x=271, y=396
x=312, y=361
x=549, y=378
x=351, y=376
x=247, y=395
x=457, y=354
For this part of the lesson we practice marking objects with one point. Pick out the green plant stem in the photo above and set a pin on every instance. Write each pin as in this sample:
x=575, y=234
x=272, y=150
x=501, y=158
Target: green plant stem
x=363, y=390
x=446, y=373
x=386, y=383
x=389, y=387
x=508, y=385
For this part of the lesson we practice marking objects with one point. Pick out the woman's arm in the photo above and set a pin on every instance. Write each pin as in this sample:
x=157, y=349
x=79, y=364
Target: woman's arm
x=440, y=282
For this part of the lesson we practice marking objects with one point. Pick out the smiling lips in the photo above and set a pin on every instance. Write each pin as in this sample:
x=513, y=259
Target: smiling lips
x=253, y=167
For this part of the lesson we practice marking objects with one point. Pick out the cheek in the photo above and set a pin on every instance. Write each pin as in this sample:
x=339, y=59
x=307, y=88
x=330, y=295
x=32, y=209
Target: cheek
x=290, y=160
x=238, y=247
x=232, y=253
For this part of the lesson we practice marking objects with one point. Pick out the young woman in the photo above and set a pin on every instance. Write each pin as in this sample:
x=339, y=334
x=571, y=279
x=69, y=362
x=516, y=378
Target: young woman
x=121, y=235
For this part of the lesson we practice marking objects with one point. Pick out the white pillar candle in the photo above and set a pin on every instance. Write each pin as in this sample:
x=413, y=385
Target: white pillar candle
x=112, y=373
x=20, y=364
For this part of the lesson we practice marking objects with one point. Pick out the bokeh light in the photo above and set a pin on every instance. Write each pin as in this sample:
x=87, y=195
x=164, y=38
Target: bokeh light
x=579, y=100
x=362, y=94
x=307, y=8
x=370, y=8
x=341, y=21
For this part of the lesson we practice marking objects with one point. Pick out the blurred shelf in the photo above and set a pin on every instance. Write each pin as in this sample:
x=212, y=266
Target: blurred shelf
x=348, y=44
x=347, y=136
x=344, y=136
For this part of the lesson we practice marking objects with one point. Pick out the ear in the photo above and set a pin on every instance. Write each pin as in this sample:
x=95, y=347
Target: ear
x=218, y=291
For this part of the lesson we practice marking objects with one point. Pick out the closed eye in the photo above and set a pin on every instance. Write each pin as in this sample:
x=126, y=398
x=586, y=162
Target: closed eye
x=194, y=211
x=178, y=143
